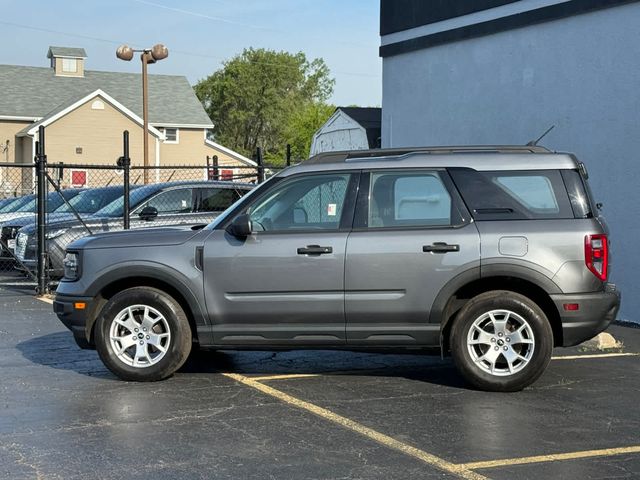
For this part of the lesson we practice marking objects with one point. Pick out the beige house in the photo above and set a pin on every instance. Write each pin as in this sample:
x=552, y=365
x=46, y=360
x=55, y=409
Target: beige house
x=85, y=113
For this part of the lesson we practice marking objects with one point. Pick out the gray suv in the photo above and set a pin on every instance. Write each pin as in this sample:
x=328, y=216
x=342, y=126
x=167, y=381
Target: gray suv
x=492, y=254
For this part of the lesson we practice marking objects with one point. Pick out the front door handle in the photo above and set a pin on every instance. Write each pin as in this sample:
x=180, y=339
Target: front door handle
x=314, y=250
x=440, y=247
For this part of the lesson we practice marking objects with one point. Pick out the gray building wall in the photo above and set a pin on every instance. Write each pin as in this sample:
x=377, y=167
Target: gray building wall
x=580, y=73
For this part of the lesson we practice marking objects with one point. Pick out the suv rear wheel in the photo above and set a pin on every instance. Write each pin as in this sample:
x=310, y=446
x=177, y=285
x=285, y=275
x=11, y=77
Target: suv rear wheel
x=143, y=334
x=501, y=341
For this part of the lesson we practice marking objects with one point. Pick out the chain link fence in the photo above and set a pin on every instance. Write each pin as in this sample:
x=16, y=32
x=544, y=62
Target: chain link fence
x=80, y=200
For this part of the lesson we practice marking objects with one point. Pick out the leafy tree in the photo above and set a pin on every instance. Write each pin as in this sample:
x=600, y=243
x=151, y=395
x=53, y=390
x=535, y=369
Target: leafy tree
x=258, y=96
x=300, y=128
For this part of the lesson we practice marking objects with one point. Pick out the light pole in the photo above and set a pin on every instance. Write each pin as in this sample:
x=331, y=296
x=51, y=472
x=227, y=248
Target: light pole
x=147, y=55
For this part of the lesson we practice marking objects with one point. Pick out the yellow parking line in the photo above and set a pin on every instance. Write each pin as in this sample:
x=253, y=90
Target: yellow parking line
x=595, y=355
x=46, y=300
x=432, y=460
x=607, y=452
x=285, y=377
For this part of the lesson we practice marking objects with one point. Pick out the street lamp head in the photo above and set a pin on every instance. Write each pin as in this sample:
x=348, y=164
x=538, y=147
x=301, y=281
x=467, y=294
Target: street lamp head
x=159, y=52
x=124, y=52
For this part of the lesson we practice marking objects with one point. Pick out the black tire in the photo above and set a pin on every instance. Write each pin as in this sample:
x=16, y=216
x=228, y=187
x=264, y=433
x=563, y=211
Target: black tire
x=470, y=359
x=178, y=344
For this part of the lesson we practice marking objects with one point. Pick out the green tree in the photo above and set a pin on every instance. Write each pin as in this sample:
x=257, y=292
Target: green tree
x=257, y=96
x=300, y=127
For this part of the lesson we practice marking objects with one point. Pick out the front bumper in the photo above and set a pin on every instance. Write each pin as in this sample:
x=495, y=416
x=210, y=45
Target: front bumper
x=74, y=319
x=596, y=311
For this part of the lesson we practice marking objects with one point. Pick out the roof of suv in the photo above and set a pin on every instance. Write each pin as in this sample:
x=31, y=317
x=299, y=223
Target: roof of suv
x=479, y=157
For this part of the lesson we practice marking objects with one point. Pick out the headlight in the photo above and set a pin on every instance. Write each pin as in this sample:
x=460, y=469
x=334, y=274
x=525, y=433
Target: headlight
x=71, y=264
x=55, y=233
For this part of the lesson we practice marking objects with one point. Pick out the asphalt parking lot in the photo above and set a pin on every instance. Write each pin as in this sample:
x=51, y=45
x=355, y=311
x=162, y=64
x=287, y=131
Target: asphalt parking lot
x=306, y=415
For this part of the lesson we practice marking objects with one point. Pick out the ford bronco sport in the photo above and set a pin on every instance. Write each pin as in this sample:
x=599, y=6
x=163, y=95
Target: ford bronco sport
x=492, y=254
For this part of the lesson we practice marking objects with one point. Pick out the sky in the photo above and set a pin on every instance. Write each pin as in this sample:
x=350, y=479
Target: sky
x=201, y=34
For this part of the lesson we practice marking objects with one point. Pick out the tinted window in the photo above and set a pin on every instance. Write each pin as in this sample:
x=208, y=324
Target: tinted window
x=310, y=202
x=513, y=195
x=15, y=204
x=217, y=199
x=408, y=199
x=54, y=201
x=179, y=200
x=116, y=208
x=91, y=201
x=578, y=194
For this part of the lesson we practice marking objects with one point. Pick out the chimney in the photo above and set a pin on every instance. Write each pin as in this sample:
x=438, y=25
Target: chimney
x=67, y=61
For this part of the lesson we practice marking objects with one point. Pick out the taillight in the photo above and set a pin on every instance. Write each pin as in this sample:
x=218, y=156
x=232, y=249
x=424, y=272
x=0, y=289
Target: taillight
x=596, y=255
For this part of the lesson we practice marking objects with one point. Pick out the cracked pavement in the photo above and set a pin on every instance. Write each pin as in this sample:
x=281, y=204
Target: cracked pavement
x=64, y=416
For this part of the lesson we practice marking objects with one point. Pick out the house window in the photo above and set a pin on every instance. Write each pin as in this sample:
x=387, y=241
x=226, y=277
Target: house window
x=69, y=65
x=171, y=135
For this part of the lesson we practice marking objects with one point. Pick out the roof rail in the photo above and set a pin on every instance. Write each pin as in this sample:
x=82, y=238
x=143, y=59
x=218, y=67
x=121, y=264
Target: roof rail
x=343, y=156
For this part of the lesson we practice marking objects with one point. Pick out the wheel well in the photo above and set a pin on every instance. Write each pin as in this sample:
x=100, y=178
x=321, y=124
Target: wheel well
x=117, y=286
x=513, y=284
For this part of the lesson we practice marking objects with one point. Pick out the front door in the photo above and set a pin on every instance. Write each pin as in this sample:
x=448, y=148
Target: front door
x=411, y=236
x=284, y=283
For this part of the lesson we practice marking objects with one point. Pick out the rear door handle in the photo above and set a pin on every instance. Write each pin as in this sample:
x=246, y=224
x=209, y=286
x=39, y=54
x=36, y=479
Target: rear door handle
x=314, y=250
x=440, y=247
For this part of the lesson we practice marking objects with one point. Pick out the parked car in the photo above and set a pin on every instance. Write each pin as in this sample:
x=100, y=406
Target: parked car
x=173, y=203
x=85, y=203
x=492, y=254
x=13, y=204
x=27, y=211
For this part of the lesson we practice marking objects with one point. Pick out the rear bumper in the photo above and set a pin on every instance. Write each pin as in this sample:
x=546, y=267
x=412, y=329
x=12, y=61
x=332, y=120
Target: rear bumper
x=72, y=318
x=596, y=311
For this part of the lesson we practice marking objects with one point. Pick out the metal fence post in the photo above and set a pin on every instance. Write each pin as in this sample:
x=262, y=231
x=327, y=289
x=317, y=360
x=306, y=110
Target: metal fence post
x=260, y=165
x=41, y=175
x=288, y=154
x=124, y=162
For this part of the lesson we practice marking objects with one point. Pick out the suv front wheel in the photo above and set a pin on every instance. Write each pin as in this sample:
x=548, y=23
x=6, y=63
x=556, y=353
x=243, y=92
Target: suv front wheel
x=143, y=335
x=501, y=341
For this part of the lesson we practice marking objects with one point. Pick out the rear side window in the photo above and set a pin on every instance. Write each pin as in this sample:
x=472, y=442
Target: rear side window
x=217, y=199
x=409, y=198
x=513, y=195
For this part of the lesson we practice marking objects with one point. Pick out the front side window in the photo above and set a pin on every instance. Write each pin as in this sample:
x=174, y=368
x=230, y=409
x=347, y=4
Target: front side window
x=313, y=202
x=409, y=199
x=173, y=201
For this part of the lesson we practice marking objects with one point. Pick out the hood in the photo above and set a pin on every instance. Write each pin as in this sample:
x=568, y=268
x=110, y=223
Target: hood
x=6, y=217
x=70, y=221
x=140, y=237
x=52, y=218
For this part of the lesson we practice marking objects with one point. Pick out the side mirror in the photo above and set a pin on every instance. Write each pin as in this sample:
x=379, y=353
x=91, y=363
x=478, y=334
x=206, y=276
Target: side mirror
x=240, y=227
x=148, y=213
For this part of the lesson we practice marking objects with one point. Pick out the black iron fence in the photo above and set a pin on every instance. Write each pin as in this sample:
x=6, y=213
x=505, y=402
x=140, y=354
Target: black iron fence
x=46, y=205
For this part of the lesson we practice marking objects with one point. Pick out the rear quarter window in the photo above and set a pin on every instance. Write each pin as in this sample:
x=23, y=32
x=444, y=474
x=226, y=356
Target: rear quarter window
x=513, y=195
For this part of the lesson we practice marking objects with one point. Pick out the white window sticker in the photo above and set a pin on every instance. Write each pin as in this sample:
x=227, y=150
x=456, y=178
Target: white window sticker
x=332, y=208
x=184, y=204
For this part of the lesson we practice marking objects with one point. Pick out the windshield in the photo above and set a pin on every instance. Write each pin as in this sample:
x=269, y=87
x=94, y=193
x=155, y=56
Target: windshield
x=90, y=201
x=54, y=200
x=16, y=204
x=116, y=208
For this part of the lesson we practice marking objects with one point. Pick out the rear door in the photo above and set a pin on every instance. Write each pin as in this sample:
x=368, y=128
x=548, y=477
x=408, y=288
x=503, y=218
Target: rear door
x=411, y=236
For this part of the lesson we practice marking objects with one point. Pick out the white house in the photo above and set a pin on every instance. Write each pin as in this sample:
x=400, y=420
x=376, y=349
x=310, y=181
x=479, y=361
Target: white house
x=349, y=128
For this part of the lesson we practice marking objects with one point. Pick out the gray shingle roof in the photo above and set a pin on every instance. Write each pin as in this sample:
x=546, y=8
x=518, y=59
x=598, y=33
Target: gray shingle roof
x=36, y=91
x=66, y=52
